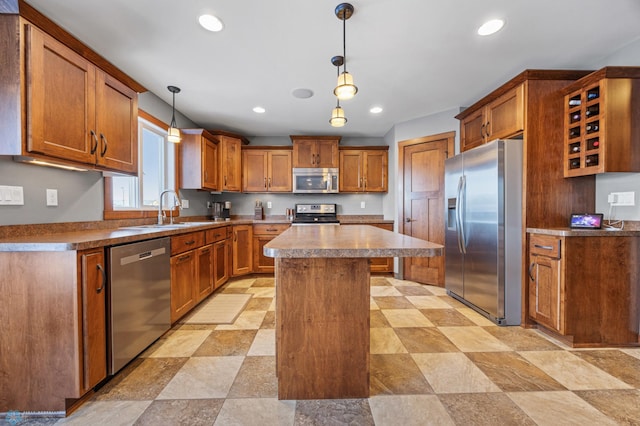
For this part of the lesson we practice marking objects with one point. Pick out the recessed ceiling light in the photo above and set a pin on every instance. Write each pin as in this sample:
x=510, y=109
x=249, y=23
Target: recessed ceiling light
x=259, y=110
x=210, y=22
x=491, y=27
x=375, y=110
x=302, y=93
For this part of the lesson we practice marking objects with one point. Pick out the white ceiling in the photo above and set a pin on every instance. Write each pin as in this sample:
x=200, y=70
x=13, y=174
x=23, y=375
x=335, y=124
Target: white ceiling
x=411, y=57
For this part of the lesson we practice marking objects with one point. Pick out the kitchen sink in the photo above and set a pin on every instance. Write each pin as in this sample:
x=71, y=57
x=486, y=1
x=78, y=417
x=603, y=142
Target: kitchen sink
x=180, y=225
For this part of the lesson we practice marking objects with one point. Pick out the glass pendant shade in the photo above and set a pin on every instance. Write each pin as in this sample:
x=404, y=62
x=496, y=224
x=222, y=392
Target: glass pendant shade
x=337, y=117
x=173, y=135
x=345, y=89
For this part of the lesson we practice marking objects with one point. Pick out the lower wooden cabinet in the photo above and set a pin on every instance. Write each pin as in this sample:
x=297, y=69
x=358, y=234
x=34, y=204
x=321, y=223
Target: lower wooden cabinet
x=184, y=272
x=241, y=257
x=220, y=240
x=53, y=344
x=584, y=288
x=204, y=274
x=262, y=234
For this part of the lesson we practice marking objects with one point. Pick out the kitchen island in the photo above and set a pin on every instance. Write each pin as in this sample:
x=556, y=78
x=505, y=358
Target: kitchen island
x=322, y=305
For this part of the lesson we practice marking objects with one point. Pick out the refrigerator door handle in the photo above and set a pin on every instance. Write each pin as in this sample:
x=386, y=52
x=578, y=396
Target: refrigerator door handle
x=460, y=208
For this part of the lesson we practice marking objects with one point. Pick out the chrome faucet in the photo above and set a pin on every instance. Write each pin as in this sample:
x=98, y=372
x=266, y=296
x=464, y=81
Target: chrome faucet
x=160, y=213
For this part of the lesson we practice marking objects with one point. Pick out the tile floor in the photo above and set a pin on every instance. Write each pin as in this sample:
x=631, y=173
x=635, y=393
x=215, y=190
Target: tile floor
x=433, y=362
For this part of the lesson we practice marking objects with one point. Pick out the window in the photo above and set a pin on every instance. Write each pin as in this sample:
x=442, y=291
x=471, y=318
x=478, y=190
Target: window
x=157, y=172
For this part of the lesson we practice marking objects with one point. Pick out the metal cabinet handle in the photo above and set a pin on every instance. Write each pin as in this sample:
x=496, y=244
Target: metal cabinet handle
x=543, y=247
x=184, y=257
x=190, y=242
x=104, y=145
x=531, y=270
x=265, y=183
x=271, y=229
x=269, y=182
x=225, y=181
x=482, y=133
x=94, y=145
x=488, y=129
x=205, y=251
x=235, y=236
x=104, y=278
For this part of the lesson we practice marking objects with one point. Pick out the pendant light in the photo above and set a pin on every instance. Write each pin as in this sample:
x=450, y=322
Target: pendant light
x=337, y=114
x=345, y=88
x=173, y=132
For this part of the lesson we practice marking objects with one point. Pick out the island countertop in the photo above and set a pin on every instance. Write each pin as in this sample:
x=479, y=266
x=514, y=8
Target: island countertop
x=348, y=242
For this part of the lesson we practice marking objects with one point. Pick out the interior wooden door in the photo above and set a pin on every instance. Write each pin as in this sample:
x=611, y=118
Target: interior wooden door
x=422, y=207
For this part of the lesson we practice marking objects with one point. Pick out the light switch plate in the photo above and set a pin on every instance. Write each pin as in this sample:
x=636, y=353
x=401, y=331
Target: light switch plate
x=52, y=197
x=11, y=195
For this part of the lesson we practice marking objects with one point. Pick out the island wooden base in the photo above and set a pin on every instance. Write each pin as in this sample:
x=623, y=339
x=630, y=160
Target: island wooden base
x=322, y=328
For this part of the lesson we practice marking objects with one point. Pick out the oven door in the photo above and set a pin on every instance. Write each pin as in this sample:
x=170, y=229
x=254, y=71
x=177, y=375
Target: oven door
x=314, y=181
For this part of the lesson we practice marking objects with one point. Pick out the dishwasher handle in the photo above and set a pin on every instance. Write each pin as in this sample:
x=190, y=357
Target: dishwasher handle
x=138, y=257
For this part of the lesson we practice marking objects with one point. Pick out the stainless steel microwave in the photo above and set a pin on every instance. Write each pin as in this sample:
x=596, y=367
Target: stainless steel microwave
x=315, y=180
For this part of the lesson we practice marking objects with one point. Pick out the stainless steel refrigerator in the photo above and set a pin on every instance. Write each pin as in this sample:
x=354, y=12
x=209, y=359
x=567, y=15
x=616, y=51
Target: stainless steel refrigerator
x=483, y=229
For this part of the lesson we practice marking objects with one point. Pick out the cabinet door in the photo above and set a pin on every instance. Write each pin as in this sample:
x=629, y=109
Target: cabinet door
x=242, y=252
x=304, y=152
x=116, y=124
x=262, y=263
x=183, y=277
x=254, y=171
x=375, y=171
x=351, y=176
x=545, y=292
x=505, y=115
x=209, y=165
x=94, y=326
x=472, y=130
x=280, y=178
x=60, y=100
x=204, y=272
x=326, y=154
x=221, y=251
x=231, y=167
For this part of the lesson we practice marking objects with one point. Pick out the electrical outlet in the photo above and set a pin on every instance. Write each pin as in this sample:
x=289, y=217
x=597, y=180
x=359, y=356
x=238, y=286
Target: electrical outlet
x=362, y=204
x=622, y=198
x=268, y=204
x=185, y=204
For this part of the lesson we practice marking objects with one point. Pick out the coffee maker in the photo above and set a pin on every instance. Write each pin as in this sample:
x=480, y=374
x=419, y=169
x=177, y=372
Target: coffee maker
x=220, y=210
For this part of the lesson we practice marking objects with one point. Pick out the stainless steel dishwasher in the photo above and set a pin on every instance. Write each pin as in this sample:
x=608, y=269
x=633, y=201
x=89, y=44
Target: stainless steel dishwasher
x=139, y=298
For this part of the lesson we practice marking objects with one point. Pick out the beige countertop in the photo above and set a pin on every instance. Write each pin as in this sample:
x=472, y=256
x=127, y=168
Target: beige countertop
x=569, y=232
x=347, y=241
x=88, y=235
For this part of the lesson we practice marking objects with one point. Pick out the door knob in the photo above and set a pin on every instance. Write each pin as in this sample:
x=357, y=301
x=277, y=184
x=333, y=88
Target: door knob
x=408, y=220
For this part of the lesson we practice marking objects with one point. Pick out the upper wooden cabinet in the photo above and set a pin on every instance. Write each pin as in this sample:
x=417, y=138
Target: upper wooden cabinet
x=73, y=112
x=230, y=160
x=364, y=169
x=266, y=169
x=199, y=160
x=601, y=123
x=498, y=119
x=315, y=151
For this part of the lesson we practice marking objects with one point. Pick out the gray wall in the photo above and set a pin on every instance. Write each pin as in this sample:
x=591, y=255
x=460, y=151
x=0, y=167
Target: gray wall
x=619, y=182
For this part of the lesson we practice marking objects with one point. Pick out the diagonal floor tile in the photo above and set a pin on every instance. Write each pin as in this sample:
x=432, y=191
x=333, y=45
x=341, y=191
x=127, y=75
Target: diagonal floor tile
x=256, y=378
x=203, y=377
x=425, y=340
x=476, y=317
x=247, y=320
x=391, y=302
x=384, y=291
x=512, y=373
x=559, y=408
x=385, y=341
x=573, y=372
x=453, y=373
x=617, y=363
x=377, y=320
x=182, y=343
x=264, y=344
x=520, y=339
x=406, y=318
x=623, y=406
x=470, y=409
x=256, y=411
x=412, y=290
x=114, y=413
x=446, y=317
x=428, y=302
x=473, y=339
x=409, y=410
x=199, y=412
x=327, y=412
x=226, y=343
x=396, y=374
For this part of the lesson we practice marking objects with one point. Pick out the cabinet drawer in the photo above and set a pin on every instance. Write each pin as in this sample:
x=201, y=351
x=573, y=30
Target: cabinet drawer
x=544, y=245
x=185, y=242
x=216, y=234
x=270, y=229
